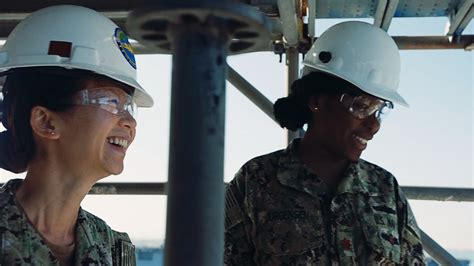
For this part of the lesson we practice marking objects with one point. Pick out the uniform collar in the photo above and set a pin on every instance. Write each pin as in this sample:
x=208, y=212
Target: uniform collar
x=293, y=173
x=10, y=186
x=355, y=179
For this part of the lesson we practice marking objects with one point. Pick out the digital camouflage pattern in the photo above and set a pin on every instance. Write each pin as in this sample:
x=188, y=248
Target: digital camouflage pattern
x=20, y=244
x=279, y=213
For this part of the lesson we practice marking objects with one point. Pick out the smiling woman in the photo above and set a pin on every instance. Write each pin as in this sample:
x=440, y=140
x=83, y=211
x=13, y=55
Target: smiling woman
x=317, y=202
x=69, y=112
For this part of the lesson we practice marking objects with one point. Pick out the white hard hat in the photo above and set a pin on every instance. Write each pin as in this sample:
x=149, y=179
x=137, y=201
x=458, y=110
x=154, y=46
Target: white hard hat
x=361, y=54
x=73, y=37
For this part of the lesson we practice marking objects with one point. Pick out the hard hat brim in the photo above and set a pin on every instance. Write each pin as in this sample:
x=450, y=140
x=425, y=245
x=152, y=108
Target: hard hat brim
x=141, y=97
x=380, y=92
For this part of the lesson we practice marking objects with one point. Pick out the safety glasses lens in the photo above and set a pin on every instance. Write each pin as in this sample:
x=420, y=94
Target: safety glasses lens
x=362, y=106
x=113, y=100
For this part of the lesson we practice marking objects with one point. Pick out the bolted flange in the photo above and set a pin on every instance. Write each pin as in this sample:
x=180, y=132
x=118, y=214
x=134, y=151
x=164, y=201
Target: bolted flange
x=247, y=29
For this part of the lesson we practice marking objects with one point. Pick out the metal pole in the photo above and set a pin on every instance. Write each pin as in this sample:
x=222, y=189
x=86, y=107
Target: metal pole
x=199, y=34
x=289, y=21
x=292, y=63
x=436, y=251
x=195, y=212
x=250, y=92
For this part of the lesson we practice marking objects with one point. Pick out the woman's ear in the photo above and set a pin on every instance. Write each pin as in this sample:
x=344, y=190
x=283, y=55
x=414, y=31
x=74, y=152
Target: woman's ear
x=314, y=103
x=44, y=123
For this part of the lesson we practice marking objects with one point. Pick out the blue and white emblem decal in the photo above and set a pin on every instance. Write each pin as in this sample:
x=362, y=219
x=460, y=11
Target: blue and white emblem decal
x=125, y=47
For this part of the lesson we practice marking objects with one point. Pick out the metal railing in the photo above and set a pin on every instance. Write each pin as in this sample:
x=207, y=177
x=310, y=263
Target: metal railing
x=159, y=189
x=411, y=192
x=417, y=193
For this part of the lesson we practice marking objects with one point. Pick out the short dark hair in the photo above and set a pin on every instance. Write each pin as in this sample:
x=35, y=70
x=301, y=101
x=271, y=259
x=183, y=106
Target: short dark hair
x=24, y=89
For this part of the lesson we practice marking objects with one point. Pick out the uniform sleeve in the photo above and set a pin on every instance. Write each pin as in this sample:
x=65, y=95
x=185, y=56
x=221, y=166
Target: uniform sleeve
x=410, y=238
x=238, y=247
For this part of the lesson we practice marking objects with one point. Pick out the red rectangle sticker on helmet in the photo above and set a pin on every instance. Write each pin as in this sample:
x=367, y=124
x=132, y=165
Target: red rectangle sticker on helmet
x=60, y=48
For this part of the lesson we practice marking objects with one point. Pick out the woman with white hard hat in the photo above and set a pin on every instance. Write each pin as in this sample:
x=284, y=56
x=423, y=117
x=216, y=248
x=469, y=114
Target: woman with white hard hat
x=317, y=202
x=69, y=105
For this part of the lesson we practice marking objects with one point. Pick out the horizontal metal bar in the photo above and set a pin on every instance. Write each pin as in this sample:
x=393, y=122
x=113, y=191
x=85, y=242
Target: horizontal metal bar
x=416, y=193
x=436, y=251
x=159, y=188
x=403, y=42
x=140, y=49
x=129, y=189
x=432, y=42
x=22, y=15
x=439, y=193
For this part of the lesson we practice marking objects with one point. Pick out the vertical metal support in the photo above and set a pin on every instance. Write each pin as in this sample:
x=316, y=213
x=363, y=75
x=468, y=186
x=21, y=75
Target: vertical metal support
x=199, y=33
x=312, y=18
x=289, y=21
x=292, y=63
x=195, y=214
x=379, y=12
x=384, y=13
x=460, y=17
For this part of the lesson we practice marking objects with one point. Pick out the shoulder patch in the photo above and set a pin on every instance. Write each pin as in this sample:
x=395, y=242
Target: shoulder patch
x=233, y=214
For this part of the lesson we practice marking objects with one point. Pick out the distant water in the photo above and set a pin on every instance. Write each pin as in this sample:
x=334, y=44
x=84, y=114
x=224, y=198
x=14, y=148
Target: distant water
x=148, y=256
x=464, y=254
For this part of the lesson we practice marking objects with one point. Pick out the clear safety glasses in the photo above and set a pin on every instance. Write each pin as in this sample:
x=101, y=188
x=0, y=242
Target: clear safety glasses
x=362, y=106
x=110, y=99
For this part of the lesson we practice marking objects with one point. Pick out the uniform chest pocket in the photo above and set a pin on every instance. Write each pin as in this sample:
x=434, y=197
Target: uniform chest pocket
x=380, y=228
x=289, y=232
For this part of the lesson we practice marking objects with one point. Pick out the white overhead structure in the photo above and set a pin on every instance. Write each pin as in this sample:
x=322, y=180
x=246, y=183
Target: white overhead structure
x=291, y=28
x=293, y=22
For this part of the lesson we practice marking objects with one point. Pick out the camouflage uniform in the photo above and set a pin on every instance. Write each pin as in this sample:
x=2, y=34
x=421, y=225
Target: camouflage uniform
x=20, y=244
x=279, y=213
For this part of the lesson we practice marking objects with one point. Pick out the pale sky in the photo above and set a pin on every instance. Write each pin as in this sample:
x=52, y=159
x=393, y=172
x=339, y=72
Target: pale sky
x=428, y=144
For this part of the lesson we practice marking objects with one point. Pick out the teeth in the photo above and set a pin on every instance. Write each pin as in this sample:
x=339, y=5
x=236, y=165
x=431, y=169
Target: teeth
x=118, y=141
x=362, y=140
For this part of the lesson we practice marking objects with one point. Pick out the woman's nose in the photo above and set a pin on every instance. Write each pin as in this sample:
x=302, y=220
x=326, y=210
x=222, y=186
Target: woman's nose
x=372, y=123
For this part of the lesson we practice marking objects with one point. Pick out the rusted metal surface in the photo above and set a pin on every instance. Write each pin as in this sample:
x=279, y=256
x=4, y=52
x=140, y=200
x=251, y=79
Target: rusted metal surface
x=433, y=42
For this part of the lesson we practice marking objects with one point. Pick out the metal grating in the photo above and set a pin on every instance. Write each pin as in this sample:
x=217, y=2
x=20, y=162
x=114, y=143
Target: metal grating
x=426, y=8
x=366, y=8
x=345, y=8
